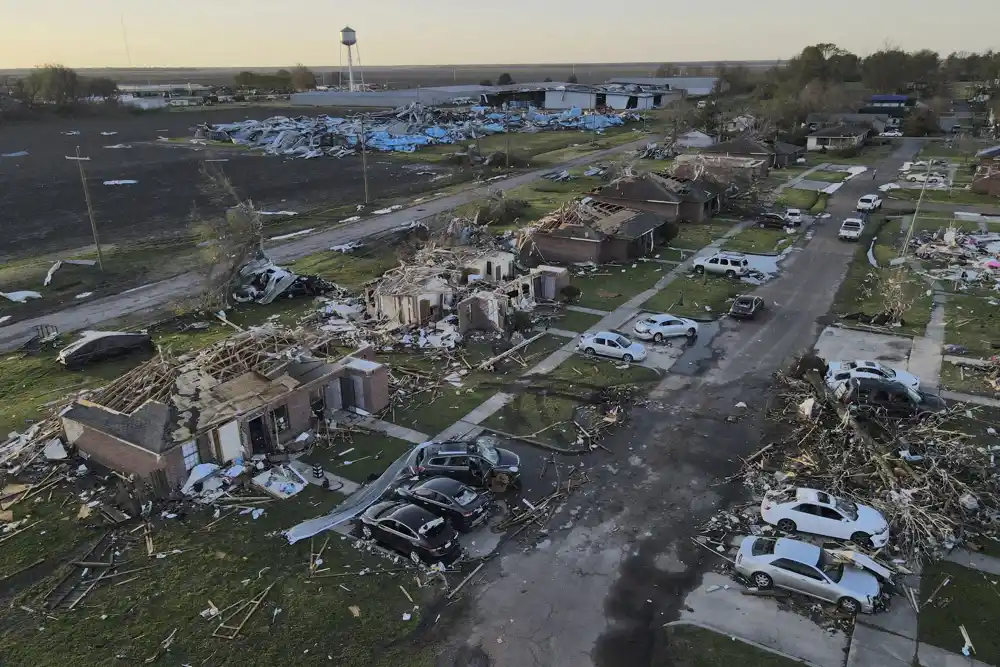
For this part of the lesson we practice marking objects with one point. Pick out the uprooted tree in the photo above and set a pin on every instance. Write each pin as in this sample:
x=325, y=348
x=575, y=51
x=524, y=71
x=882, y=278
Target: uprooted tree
x=228, y=241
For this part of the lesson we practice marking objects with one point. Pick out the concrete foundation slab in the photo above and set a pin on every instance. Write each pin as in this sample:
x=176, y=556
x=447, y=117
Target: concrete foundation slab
x=839, y=344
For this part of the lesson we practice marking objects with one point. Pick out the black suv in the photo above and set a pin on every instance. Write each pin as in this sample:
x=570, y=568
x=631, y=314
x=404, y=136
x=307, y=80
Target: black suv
x=884, y=398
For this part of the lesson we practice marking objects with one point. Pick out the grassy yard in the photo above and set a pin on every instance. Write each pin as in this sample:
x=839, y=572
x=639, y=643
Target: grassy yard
x=955, y=196
x=380, y=449
x=972, y=323
x=349, y=270
x=867, y=156
x=232, y=561
x=941, y=150
x=970, y=599
x=690, y=646
x=965, y=379
x=697, y=296
x=571, y=320
x=760, y=241
x=697, y=235
x=544, y=196
x=545, y=411
x=796, y=198
x=828, y=176
x=435, y=410
x=861, y=289
x=612, y=285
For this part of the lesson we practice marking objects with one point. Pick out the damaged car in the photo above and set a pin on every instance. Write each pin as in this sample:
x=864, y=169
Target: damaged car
x=479, y=462
x=805, y=568
x=746, y=307
x=820, y=513
x=658, y=327
x=842, y=371
x=410, y=530
x=100, y=345
x=462, y=505
x=887, y=399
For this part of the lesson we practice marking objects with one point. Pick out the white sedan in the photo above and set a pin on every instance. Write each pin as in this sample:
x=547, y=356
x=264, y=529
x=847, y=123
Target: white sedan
x=608, y=344
x=794, y=216
x=658, y=327
x=891, y=133
x=839, y=372
x=818, y=512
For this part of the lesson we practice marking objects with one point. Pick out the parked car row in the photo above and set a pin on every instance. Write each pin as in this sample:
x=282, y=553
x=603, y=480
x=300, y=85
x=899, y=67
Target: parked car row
x=441, y=495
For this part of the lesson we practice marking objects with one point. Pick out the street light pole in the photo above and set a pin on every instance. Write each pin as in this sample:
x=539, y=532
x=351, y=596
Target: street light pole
x=90, y=209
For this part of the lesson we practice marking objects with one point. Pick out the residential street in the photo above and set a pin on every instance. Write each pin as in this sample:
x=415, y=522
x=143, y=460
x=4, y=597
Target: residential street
x=596, y=591
x=151, y=297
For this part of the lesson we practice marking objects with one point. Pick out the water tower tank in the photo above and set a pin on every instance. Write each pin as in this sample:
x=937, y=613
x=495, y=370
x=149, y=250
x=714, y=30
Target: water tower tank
x=348, y=37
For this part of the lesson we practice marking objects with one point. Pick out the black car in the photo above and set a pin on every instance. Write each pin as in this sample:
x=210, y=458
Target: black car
x=885, y=398
x=99, y=345
x=772, y=220
x=746, y=307
x=478, y=461
x=463, y=506
x=412, y=531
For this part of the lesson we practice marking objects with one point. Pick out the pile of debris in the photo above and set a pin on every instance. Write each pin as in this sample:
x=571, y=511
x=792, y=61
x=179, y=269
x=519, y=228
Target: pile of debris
x=404, y=130
x=967, y=259
x=935, y=485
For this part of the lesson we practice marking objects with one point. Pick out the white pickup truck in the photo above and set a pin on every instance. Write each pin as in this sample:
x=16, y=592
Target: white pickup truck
x=851, y=229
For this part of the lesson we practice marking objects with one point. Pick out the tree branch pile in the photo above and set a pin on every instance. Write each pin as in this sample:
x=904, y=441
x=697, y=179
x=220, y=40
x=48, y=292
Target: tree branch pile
x=936, y=486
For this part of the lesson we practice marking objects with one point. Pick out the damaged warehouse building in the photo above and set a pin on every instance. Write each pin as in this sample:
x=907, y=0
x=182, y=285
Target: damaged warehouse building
x=262, y=391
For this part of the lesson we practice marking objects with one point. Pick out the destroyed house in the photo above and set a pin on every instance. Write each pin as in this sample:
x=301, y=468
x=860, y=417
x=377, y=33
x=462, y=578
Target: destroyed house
x=261, y=391
x=668, y=196
x=429, y=289
x=838, y=137
x=487, y=309
x=773, y=153
x=723, y=165
x=597, y=231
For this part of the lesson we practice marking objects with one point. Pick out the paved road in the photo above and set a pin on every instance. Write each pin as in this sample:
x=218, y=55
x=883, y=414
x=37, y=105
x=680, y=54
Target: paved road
x=618, y=562
x=153, y=297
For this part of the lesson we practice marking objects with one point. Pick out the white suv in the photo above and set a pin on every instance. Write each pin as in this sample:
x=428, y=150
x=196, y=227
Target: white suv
x=729, y=264
x=870, y=203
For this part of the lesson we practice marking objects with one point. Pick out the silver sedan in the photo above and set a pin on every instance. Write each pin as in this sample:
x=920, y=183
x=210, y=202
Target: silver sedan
x=807, y=569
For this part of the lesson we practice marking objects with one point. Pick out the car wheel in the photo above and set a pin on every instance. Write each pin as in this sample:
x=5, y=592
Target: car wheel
x=589, y=352
x=730, y=274
x=787, y=525
x=862, y=538
x=699, y=269
x=658, y=338
x=849, y=606
x=627, y=358
x=692, y=332
x=761, y=580
x=415, y=557
x=366, y=532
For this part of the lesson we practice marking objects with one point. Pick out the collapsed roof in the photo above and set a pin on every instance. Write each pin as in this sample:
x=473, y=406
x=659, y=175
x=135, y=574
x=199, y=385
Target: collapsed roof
x=597, y=220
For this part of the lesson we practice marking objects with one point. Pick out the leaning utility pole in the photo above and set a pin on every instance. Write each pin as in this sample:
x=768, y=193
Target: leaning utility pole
x=90, y=209
x=364, y=158
x=506, y=131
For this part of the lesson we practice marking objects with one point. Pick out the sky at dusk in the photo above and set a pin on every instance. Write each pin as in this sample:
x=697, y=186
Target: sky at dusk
x=266, y=33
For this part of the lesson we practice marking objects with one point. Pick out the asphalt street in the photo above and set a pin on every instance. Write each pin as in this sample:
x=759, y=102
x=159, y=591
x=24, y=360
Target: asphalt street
x=618, y=561
x=153, y=297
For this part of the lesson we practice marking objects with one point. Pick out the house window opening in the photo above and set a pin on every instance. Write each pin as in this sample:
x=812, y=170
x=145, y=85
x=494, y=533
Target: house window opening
x=279, y=417
x=190, y=452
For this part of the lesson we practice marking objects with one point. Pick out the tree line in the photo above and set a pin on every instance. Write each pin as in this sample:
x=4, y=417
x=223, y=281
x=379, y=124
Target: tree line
x=60, y=86
x=297, y=78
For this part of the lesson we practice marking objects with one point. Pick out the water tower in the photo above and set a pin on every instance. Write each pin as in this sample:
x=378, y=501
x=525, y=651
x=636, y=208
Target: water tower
x=349, y=38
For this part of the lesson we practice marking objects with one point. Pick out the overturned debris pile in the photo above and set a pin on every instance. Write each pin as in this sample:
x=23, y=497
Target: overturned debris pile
x=967, y=259
x=402, y=130
x=936, y=486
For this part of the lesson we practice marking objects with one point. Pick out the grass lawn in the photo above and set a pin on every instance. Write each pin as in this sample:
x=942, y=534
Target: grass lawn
x=860, y=291
x=796, y=198
x=544, y=196
x=612, y=285
x=688, y=296
x=697, y=235
x=956, y=196
x=760, y=241
x=433, y=411
x=972, y=600
x=828, y=176
x=972, y=323
x=572, y=320
x=232, y=561
x=349, y=270
x=553, y=398
x=690, y=646
x=965, y=379
x=370, y=444
x=868, y=155
x=672, y=254
x=941, y=149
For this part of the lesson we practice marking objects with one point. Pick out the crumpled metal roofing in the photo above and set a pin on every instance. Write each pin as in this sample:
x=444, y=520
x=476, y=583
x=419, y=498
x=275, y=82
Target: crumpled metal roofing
x=402, y=130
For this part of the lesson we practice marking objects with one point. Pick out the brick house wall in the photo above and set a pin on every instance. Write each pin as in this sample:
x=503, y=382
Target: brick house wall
x=128, y=459
x=566, y=250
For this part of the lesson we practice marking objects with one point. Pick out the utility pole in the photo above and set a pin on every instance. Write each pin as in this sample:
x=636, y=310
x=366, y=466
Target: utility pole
x=364, y=158
x=90, y=209
x=506, y=131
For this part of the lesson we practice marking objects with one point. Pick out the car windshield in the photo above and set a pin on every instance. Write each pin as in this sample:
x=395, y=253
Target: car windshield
x=623, y=341
x=848, y=508
x=466, y=497
x=744, y=302
x=432, y=528
x=852, y=225
x=488, y=451
x=830, y=567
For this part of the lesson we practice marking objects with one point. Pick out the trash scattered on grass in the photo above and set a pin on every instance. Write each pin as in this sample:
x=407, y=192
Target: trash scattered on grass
x=20, y=296
x=121, y=182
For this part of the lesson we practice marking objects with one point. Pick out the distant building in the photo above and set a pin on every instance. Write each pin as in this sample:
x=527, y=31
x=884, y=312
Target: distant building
x=165, y=89
x=692, y=86
x=838, y=137
x=618, y=97
x=896, y=107
x=877, y=121
x=773, y=153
